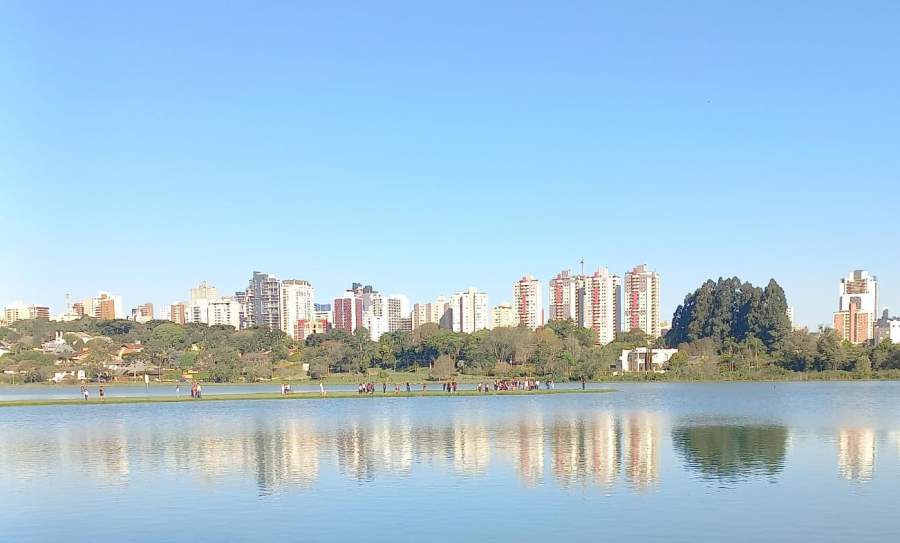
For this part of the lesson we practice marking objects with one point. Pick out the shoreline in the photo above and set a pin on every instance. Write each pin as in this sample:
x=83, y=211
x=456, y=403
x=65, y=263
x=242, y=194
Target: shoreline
x=343, y=395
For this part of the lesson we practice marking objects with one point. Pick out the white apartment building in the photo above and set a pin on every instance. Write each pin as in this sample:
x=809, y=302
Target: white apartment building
x=224, y=311
x=375, y=315
x=297, y=303
x=528, y=301
x=469, y=311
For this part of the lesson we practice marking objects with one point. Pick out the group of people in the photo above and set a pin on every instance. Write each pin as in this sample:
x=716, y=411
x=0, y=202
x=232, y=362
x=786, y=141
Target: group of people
x=523, y=384
x=196, y=391
x=286, y=389
x=86, y=393
x=369, y=388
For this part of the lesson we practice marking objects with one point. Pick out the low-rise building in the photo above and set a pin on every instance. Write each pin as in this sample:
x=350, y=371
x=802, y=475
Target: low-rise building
x=640, y=359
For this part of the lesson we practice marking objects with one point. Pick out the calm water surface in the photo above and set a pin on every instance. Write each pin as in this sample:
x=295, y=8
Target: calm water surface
x=667, y=462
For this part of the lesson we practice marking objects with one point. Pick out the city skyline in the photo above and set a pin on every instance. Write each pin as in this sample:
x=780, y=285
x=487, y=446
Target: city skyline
x=576, y=297
x=441, y=154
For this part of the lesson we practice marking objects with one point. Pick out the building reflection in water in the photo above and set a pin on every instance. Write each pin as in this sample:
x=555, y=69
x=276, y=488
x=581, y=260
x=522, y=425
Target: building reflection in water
x=641, y=449
x=856, y=453
x=586, y=450
x=732, y=452
x=529, y=448
x=284, y=453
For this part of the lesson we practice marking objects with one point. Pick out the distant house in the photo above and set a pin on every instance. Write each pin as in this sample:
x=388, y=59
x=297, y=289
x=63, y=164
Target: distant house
x=637, y=359
x=129, y=349
x=68, y=375
x=58, y=347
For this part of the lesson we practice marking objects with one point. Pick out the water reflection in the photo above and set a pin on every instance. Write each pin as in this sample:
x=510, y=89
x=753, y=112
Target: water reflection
x=729, y=453
x=280, y=451
x=856, y=453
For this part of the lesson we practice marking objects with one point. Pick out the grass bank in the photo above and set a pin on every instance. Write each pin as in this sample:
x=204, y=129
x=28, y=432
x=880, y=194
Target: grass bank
x=294, y=396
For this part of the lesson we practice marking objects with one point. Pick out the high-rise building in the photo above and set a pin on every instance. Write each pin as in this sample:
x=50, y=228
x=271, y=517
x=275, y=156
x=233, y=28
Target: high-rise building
x=398, y=310
x=348, y=310
x=245, y=298
x=469, y=311
x=504, y=316
x=225, y=311
x=855, y=319
x=375, y=314
x=437, y=312
x=563, y=297
x=142, y=313
x=204, y=291
x=265, y=300
x=104, y=306
x=177, y=313
x=297, y=303
x=599, y=305
x=527, y=300
x=641, y=301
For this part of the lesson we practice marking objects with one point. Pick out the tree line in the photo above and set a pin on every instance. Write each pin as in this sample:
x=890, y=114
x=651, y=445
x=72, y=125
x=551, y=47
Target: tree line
x=725, y=329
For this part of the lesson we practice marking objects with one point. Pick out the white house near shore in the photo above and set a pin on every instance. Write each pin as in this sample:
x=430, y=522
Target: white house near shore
x=636, y=359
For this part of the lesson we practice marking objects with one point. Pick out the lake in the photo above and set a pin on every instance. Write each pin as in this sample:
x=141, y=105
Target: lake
x=666, y=462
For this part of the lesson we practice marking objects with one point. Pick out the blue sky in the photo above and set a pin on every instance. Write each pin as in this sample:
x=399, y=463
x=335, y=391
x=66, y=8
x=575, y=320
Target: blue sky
x=426, y=148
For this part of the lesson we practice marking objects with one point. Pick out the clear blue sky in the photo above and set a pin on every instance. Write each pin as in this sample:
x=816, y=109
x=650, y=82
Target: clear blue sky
x=425, y=148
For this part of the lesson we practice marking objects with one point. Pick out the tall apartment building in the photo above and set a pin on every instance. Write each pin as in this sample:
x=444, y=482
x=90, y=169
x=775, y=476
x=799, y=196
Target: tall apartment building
x=104, y=306
x=204, y=291
x=591, y=301
x=855, y=319
x=504, y=316
x=641, y=301
x=564, y=297
x=347, y=312
x=437, y=312
x=375, y=314
x=599, y=305
x=245, y=298
x=398, y=312
x=297, y=303
x=528, y=301
x=469, y=311
x=178, y=313
x=142, y=313
x=224, y=311
x=265, y=300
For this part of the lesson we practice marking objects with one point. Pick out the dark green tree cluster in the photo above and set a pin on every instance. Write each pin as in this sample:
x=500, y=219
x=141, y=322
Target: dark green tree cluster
x=729, y=310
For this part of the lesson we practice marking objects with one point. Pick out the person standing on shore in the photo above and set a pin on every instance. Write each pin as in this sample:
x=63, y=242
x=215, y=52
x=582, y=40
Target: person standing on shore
x=583, y=382
x=322, y=388
x=86, y=393
x=102, y=394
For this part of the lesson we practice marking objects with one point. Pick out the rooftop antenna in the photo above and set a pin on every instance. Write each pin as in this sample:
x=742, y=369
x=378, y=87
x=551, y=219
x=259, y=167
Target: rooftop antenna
x=582, y=265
